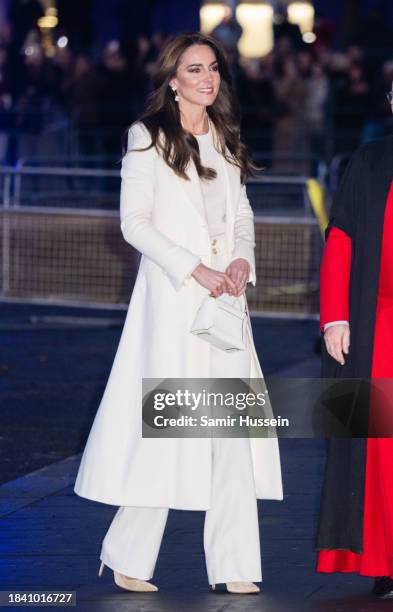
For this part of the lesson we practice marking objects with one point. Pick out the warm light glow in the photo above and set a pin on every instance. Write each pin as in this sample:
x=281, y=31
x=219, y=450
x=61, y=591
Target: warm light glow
x=309, y=37
x=302, y=13
x=48, y=21
x=257, y=23
x=211, y=15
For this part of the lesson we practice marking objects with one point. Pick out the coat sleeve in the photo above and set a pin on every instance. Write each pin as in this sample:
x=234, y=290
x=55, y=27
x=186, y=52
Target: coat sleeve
x=136, y=204
x=245, y=234
x=335, y=277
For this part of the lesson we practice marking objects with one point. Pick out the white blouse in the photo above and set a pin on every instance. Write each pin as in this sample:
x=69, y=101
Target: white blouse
x=214, y=190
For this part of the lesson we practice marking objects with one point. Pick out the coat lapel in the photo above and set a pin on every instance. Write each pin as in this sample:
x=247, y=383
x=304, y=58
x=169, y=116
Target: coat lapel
x=229, y=187
x=192, y=190
x=231, y=179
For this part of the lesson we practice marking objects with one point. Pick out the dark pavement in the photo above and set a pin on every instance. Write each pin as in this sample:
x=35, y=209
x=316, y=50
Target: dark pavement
x=52, y=373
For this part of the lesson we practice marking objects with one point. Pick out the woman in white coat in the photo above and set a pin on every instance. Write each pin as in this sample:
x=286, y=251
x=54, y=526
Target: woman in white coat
x=184, y=206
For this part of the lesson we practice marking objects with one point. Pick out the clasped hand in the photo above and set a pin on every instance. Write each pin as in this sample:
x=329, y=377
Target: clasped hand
x=233, y=281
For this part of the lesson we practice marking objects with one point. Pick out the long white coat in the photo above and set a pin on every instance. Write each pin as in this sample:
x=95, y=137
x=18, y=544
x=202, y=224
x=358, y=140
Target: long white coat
x=162, y=215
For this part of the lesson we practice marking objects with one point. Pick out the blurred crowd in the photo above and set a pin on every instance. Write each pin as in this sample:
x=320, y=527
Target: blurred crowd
x=96, y=99
x=300, y=100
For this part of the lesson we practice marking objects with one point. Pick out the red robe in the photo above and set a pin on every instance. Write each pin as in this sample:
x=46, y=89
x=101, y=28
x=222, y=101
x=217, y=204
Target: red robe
x=377, y=556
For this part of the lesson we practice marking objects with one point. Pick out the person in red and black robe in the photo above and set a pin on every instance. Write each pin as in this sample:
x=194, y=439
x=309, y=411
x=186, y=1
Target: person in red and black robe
x=356, y=519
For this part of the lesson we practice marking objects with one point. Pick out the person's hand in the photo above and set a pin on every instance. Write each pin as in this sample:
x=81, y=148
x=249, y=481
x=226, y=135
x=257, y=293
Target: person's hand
x=239, y=271
x=336, y=340
x=213, y=280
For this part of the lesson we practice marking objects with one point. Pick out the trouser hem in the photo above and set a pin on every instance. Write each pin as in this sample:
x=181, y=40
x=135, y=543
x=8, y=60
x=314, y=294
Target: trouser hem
x=127, y=571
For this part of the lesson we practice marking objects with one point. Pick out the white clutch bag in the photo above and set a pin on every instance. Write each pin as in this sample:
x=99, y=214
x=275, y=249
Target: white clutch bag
x=221, y=324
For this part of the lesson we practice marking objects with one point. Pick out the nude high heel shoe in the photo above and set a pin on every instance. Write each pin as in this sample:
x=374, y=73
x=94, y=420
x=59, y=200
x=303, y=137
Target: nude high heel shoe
x=128, y=583
x=240, y=587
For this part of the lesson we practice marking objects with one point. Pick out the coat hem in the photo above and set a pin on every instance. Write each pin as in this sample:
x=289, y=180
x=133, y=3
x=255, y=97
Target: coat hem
x=149, y=504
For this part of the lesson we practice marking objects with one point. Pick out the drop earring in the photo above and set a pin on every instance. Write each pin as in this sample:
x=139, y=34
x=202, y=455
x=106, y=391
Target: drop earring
x=176, y=96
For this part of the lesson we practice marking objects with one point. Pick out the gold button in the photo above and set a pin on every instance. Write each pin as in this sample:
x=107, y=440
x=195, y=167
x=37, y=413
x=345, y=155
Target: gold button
x=214, y=251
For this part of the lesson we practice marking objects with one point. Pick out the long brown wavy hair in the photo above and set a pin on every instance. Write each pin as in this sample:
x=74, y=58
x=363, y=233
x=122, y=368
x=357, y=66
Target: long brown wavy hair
x=162, y=114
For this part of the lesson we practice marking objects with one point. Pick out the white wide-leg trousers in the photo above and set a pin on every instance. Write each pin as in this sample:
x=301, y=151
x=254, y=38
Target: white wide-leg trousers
x=231, y=531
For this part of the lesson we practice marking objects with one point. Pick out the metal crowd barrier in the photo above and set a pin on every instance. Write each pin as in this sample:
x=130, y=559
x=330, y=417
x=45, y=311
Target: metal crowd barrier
x=64, y=249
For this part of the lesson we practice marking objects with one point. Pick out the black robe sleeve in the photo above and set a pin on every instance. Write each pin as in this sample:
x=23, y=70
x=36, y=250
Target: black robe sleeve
x=344, y=205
